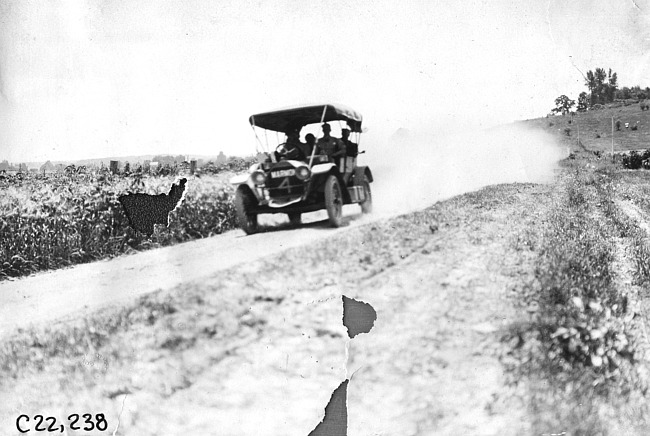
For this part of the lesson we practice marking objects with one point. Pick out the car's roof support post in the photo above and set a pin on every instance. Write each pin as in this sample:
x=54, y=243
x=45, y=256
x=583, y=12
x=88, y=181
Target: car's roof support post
x=311, y=158
x=256, y=137
x=322, y=118
x=313, y=150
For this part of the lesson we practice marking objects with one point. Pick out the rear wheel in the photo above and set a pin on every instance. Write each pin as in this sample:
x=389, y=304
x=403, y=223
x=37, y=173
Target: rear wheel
x=366, y=205
x=334, y=201
x=244, y=201
x=294, y=218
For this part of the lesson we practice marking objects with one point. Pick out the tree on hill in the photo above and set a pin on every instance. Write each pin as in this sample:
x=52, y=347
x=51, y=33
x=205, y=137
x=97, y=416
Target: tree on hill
x=612, y=84
x=583, y=102
x=602, y=85
x=563, y=104
x=600, y=75
x=590, y=81
x=624, y=93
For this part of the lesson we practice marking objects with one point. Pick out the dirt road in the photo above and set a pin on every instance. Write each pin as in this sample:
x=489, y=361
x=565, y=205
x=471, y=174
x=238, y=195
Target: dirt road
x=80, y=290
x=403, y=185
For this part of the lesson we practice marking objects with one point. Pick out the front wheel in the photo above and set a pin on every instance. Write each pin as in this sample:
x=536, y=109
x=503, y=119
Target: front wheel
x=334, y=201
x=366, y=205
x=244, y=201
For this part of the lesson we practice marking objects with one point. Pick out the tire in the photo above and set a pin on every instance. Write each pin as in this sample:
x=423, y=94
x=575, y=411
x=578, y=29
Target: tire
x=294, y=218
x=334, y=201
x=244, y=200
x=366, y=205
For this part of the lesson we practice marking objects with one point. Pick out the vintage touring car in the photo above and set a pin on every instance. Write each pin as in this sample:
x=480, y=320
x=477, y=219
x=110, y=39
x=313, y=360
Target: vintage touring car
x=282, y=183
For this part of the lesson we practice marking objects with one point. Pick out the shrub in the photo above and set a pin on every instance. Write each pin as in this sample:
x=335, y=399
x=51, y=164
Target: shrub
x=645, y=154
x=633, y=161
x=567, y=131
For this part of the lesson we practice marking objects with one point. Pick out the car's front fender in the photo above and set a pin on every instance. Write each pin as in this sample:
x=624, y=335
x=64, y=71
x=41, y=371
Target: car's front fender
x=322, y=168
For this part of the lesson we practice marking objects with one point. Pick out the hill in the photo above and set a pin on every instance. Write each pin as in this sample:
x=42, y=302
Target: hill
x=594, y=128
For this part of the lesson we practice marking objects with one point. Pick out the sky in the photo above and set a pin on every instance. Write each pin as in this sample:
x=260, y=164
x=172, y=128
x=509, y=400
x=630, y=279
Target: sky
x=97, y=78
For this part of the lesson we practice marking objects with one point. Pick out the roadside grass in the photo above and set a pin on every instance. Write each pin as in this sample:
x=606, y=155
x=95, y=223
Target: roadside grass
x=579, y=355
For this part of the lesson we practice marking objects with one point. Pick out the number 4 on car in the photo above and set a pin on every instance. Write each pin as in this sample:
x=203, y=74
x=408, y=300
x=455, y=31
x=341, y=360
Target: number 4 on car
x=300, y=177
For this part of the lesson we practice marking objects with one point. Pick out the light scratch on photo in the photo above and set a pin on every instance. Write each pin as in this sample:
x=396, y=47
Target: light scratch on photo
x=120, y=415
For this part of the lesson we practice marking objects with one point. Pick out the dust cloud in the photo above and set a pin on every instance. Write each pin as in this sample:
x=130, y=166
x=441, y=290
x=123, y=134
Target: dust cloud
x=413, y=171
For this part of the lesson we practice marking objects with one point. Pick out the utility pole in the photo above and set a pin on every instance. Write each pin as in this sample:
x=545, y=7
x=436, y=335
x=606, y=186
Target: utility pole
x=612, y=138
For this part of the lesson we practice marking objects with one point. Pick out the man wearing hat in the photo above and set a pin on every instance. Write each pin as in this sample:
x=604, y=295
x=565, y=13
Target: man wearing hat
x=351, y=148
x=292, y=149
x=332, y=147
x=351, y=152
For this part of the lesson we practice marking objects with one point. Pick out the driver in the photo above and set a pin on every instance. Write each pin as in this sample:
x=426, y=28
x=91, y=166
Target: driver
x=291, y=150
x=332, y=147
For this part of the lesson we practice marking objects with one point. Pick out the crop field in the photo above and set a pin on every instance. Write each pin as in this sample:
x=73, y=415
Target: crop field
x=52, y=221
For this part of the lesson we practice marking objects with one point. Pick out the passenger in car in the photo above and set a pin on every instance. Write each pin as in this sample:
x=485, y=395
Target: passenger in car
x=351, y=152
x=308, y=147
x=351, y=148
x=332, y=147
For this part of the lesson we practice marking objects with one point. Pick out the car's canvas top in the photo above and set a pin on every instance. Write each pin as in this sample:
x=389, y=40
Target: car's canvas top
x=287, y=119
